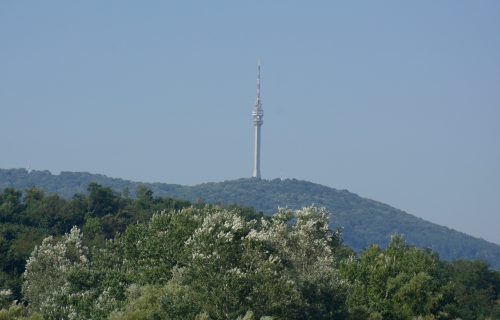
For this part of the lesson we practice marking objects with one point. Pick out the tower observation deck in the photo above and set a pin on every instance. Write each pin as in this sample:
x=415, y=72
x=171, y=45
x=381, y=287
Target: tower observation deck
x=258, y=120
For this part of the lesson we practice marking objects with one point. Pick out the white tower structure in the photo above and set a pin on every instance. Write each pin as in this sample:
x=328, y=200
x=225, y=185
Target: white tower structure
x=258, y=120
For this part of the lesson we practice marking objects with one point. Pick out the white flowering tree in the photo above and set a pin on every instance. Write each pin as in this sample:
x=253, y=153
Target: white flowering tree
x=301, y=245
x=283, y=267
x=198, y=263
x=46, y=287
x=213, y=274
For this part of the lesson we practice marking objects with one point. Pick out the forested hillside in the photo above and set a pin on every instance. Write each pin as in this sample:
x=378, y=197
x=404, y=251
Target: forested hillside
x=363, y=221
x=104, y=255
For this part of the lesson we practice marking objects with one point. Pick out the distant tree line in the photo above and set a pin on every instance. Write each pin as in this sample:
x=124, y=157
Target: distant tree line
x=105, y=255
x=364, y=221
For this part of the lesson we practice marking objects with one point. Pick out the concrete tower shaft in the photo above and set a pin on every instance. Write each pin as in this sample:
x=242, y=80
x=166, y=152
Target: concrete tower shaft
x=258, y=120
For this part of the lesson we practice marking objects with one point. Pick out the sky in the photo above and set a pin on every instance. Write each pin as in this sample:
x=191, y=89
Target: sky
x=395, y=101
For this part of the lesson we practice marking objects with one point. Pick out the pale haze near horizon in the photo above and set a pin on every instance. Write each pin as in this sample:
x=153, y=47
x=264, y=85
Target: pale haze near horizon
x=395, y=102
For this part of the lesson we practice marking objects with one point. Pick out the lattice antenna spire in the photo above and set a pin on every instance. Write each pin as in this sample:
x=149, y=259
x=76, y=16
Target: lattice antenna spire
x=258, y=80
x=258, y=113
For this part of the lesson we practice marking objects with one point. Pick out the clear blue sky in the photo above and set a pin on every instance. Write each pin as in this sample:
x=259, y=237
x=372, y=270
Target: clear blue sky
x=398, y=102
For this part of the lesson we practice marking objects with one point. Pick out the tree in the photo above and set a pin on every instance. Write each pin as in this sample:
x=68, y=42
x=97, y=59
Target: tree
x=401, y=282
x=301, y=243
x=476, y=289
x=102, y=200
x=151, y=250
x=10, y=205
x=283, y=268
x=144, y=197
x=46, y=287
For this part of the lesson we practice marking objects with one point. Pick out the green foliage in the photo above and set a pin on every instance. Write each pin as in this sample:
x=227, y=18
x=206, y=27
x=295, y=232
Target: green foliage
x=219, y=269
x=476, y=290
x=16, y=312
x=5, y=298
x=16, y=244
x=27, y=217
x=196, y=263
x=151, y=250
x=45, y=286
x=364, y=222
x=143, y=303
x=157, y=258
x=10, y=204
x=401, y=282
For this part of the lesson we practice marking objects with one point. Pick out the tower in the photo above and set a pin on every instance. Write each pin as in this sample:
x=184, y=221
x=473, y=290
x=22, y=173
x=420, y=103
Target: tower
x=258, y=120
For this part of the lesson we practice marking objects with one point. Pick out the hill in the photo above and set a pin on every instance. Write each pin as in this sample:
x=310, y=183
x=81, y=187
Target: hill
x=362, y=220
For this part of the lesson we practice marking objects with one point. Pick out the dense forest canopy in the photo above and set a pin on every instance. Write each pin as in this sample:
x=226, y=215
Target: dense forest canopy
x=105, y=255
x=364, y=222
